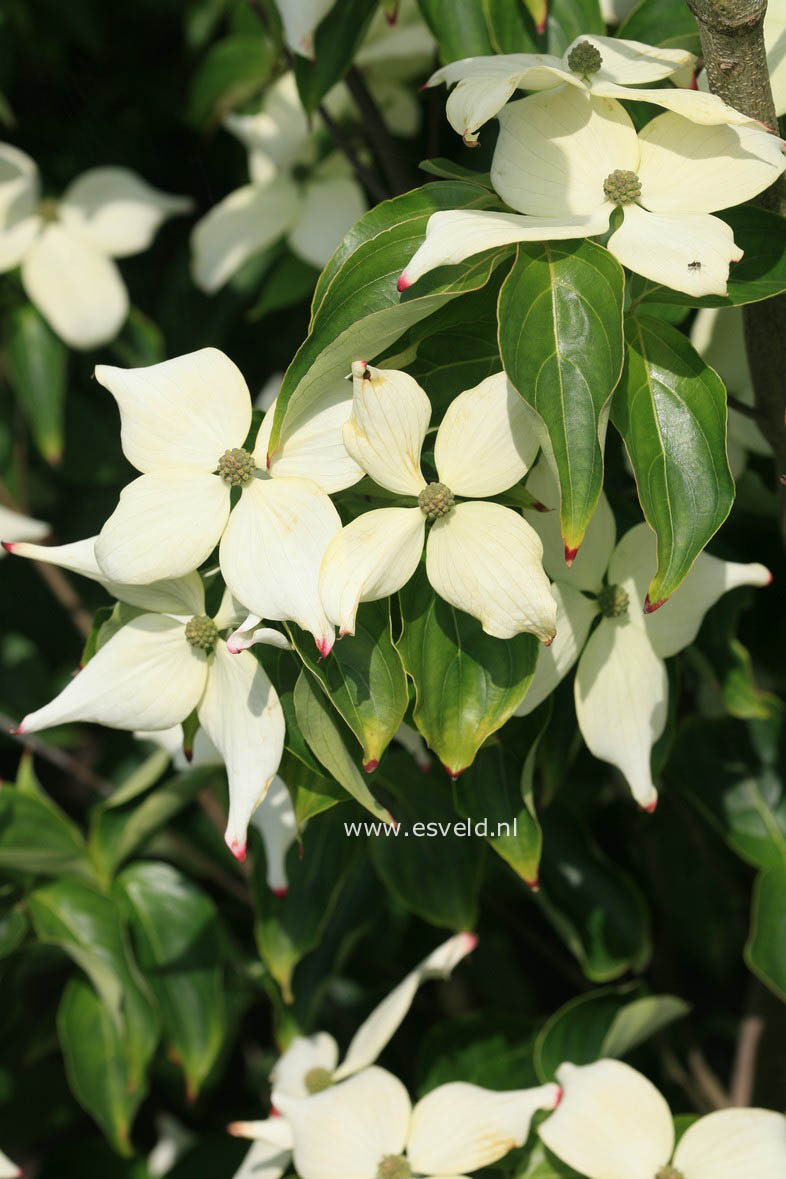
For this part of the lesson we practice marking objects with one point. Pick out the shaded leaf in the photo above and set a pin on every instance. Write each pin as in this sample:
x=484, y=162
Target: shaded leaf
x=36, y=363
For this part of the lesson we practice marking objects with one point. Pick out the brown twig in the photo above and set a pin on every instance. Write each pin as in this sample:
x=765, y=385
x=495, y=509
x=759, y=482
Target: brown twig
x=57, y=757
x=748, y=411
x=388, y=154
x=342, y=141
x=706, y=1082
x=67, y=596
x=742, y=1082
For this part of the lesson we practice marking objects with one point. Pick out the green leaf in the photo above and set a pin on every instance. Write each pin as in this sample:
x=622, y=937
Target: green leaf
x=363, y=678
x=87, y=926
x=177, y=939
x=765, y=951
x=97, y=1072
x=511, y=25
x=141, y=341
x=36, y=837
x=662, y=22
x=233, y=71
x=760, y=274
x=639, y=1020
x=357, y=311
x=311, y=793
x=321, y=731
x=117, y=831
x=459, y=27
x=288, y=927
x=542, y=1164
x=594, y=906
x=561, y=342
x=14, y=926
x=569, y=19
x=491, y=1048
x=36, y=363
x=670, y=409
x=336, y=39
x=467, y=684
x=450, y=170
x=732, y=666
x=431, y=870
x=289, y=281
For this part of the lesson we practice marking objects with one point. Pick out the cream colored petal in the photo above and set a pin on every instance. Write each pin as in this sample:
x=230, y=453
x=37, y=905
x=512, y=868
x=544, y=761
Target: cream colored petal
x=345, y=1131
x=486, y=560
x=385, y=431
x=16, y=530
x=633, y=62
x=328, y=209
x=274, y=1130
x=249, y=633
x=694, y=168
x=461, y=1127
x=688, y=252
x=118, y=211
x=272, y=550
x=453, y=236
x=19, y=185
x=277, y=132
x=621, y=694
x=775, y=42
x=575, y=614
x=243, y=224
x=16, y=240
x=373, y=556
x=76, y=287
x=612, y=1123
x=303, y=1054
x=485, y=84
x=696, y=105
x=165, y=525
x=183, y=412
x=486, y=441
x=301, y=19
x=731, y=1143
x=378, y=1029
x=555, y=150
x=677, y=622
x=313, y=446
x=414, y=744
x=9, y=1169
x=147, y=676
x=242, y=716
x=589, y=566
x=275, y=822
x=264, y=1161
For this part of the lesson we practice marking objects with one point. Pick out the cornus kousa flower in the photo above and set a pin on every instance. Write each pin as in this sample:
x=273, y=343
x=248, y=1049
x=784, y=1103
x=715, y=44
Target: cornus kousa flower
x=8, y=1170
x=366, y=1128
x=481, y=557
x=311, y=1063
x=603, y=66
x=184, y=424
x=621, y=687
x=300, y=19
x=292, y=194
x=612, y=1123
x=568, y=161
x=66, y=247
x=164, y=663
x=16, y=527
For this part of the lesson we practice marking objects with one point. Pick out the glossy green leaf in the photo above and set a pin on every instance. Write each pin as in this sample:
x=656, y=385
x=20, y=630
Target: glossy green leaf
x=640, y=1019
x=288, y=927
x=459, y=26
x=323, y=735
x=288, y=281
x=363, y=677
x=561, y=342
x=36, y=364
x=491, y=1048
x=141, y=341
x=336, y=39
x=87, y=926
x=542, y=1164
x=424, y=863
x=670, y=409
x=13, y=930
x=234, y=71
x=760, y=274
x=467, y=684
x=36, y=837
x=450, y=170
x=594, y=906
x=177, y=940
x=511, y=26
x=765, y=952
x=357, y=311
x=662, y=22
x=568, y=19
x=93, y=1051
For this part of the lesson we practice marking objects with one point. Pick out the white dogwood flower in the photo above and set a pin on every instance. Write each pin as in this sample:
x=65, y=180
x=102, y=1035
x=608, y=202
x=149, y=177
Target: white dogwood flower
x=605, y=67
x=311, y=1063
x=8, y=1169
x=292, y=194
x=300, y=19
x=366, y=1128
x=567, y=161
x=481, y=557
x=184, y=424
x=166, y=661
x=612, y=1123
x=621, y=687
x=16, y=527
x=66, y=248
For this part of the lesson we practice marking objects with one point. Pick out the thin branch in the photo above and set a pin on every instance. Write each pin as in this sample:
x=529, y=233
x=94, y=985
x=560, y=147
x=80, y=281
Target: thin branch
x=742, y=1082
x=57, y=757
x=342, y=141
x=748, y=411
x=705, y=1080
x=67, y=596
x=385, y=148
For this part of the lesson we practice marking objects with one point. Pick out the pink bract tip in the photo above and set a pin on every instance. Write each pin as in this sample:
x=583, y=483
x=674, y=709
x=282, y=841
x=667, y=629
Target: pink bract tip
x=651, y=607
x=8, y=545
x=280, y=892
x=558, y=1098
x=18, y=730
x=275, y=1113
x=650, y=807
x=403, y=283
x=769, y=580
x=325, y=646
x=471, y=940
x=238, y=850
x=570, y=554
x=370, y=765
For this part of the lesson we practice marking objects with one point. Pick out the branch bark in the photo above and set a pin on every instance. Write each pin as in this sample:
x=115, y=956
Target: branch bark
x=732, y=42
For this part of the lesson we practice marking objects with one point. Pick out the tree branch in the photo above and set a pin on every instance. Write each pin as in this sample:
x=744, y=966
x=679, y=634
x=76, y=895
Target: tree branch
x=385, y=149
x=57, y=757
x=732, y=42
